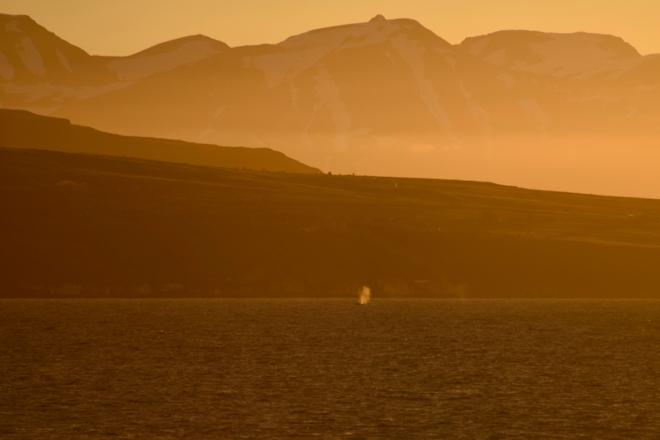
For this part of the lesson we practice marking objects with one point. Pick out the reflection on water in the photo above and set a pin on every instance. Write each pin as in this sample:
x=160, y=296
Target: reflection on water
x=301, y=369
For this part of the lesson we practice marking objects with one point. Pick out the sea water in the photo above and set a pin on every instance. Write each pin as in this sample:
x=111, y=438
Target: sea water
x=299, y=369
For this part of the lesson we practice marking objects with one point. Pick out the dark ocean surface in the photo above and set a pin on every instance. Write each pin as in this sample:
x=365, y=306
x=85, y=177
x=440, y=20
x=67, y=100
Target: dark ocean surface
x=329, y=369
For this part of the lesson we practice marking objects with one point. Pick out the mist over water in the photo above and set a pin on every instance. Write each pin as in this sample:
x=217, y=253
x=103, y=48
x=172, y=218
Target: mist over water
x=286, y=369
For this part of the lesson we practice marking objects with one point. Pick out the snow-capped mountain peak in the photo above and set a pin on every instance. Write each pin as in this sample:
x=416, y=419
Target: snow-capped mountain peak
x=29, y=53
x=558, y=55
x=375, y=31
x=166, y=56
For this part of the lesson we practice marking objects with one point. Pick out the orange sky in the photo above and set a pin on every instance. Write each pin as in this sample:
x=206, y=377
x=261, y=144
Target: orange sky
x=120, y=27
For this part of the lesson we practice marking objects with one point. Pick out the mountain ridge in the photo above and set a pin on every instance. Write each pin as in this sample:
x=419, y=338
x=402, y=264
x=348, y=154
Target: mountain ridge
x=389, y=97
x=38, y=53
x=22, y=129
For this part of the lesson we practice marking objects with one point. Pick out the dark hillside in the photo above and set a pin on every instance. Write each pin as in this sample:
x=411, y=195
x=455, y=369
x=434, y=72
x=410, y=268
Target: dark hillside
x=87, y=225
x=21, y=129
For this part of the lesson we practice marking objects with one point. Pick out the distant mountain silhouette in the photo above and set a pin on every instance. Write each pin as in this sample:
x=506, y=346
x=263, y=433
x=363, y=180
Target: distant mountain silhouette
x=165, y=56
x=387, y=97
x=84, y=225
x=21, y=129
x=30, y=54
x=557, y=55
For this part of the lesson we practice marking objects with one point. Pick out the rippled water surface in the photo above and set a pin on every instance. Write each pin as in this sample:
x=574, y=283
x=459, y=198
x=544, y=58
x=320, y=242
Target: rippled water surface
x=289, y=369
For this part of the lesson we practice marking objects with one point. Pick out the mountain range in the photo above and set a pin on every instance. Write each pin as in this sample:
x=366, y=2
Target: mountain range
x=574, y=111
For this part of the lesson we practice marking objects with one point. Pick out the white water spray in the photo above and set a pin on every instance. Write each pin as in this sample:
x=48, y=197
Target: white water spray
x=364, y=297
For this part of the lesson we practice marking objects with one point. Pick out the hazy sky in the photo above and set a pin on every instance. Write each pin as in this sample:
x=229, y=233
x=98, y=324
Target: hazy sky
x=120, y=27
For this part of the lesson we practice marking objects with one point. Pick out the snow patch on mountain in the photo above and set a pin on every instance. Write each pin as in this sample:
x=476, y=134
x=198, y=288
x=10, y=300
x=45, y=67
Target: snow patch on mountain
x=559, y=55
x=328, y=95
x=165, y=57
x=567, y=58
x=303, y=51
x=480, y=115
x=31, y=57
x=412, y=52
x=6, y=69
x=375, y=31
x=64, y=62
x=283, y=66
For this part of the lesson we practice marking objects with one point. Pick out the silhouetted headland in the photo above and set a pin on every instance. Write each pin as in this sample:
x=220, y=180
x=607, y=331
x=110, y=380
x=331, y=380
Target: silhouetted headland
x=85, y=225
x=22, y=129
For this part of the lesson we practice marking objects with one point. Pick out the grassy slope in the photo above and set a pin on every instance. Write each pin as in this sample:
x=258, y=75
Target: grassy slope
x=21, y=129
x=107, y=226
